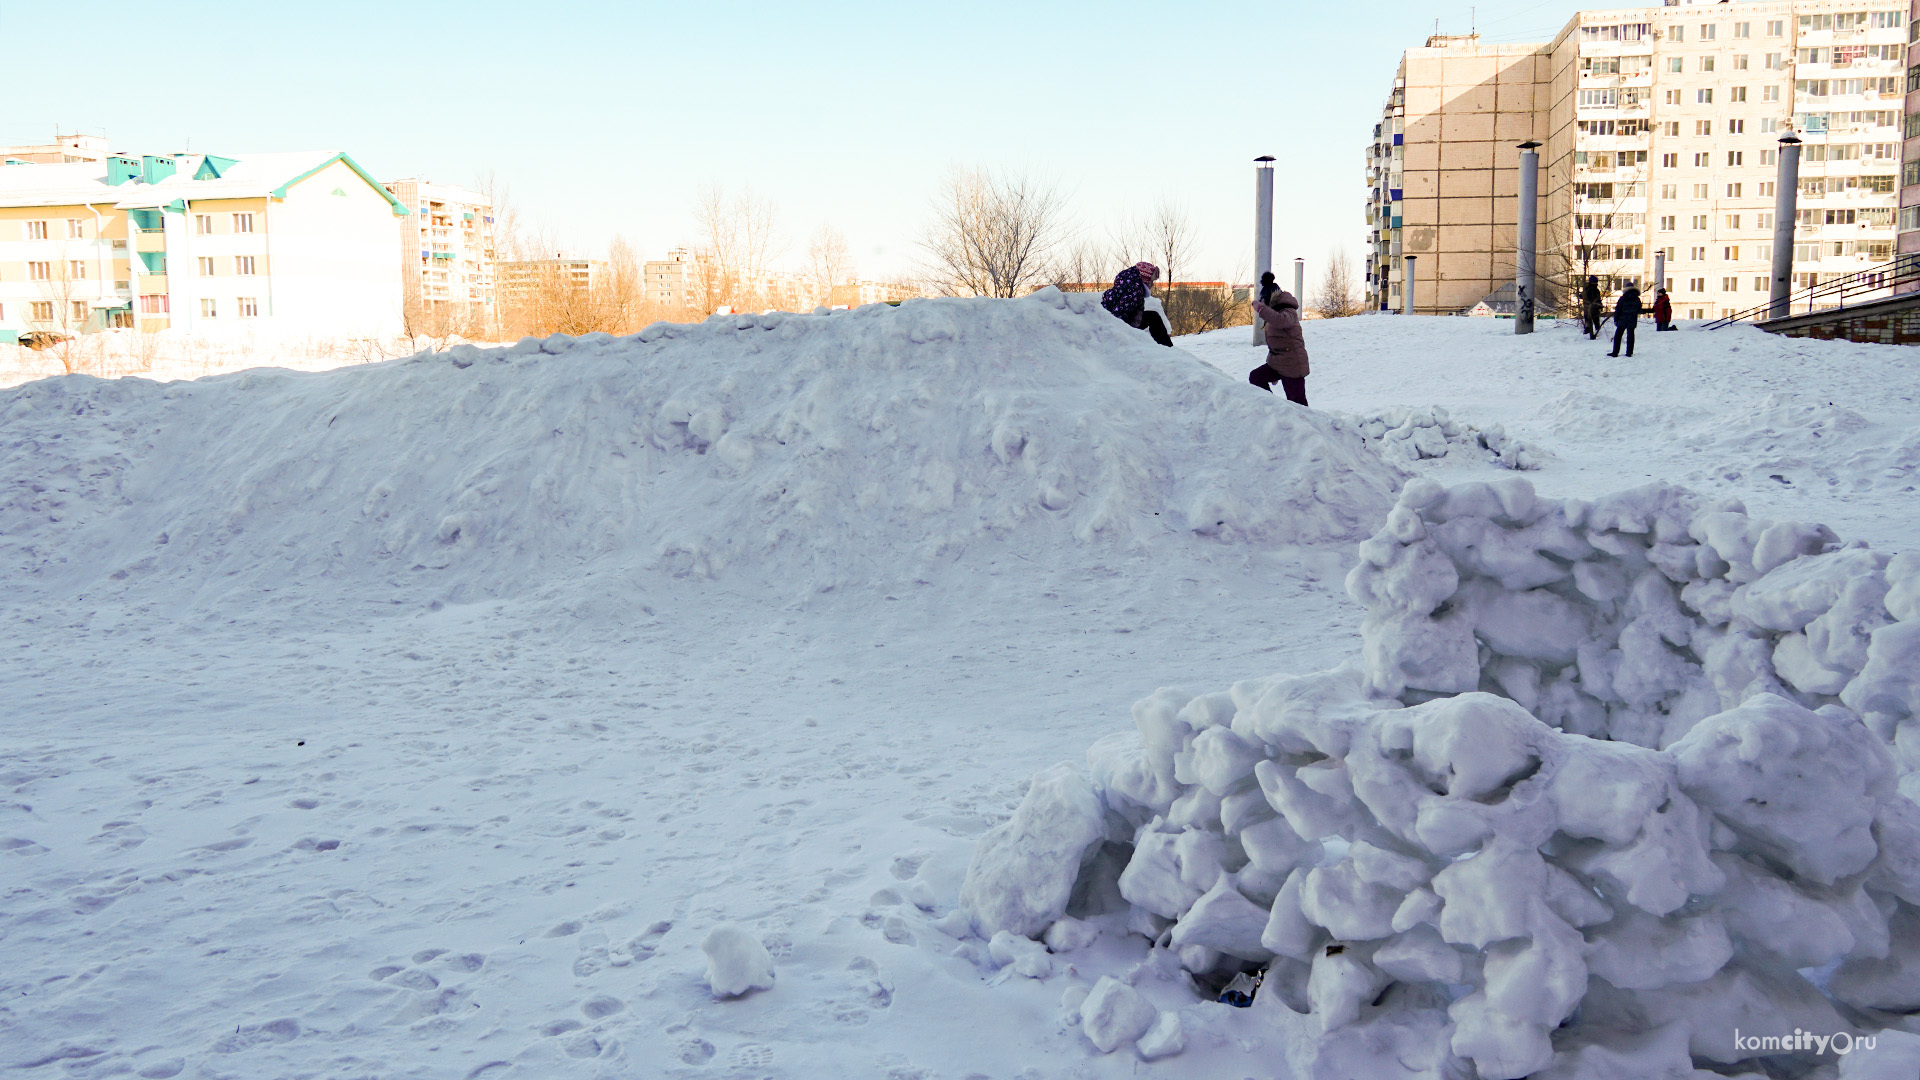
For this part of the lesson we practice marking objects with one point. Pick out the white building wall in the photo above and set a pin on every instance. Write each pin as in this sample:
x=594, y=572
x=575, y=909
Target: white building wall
x=334, y=271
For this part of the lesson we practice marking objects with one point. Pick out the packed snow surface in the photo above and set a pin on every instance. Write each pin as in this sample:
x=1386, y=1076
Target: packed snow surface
x=426, y=718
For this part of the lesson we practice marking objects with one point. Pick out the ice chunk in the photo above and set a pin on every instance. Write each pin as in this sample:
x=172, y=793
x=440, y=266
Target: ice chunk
x=1022, y=871
x=1340, y=984
x=1225, y=921
x=1026, y=956
x=1164, y=1039
x=736, y=961
x=1114, y=1014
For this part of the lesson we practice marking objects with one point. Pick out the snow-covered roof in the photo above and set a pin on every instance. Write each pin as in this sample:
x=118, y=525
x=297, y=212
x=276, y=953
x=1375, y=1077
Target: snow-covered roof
x=251, y=177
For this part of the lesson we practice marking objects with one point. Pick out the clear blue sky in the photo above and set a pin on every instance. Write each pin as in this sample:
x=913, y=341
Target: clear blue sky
x=607, y=118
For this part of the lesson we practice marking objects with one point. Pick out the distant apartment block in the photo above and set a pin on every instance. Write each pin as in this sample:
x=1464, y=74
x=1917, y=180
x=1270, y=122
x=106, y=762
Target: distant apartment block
x=446, y=252
x=518, y=279
x=1660, y=129
x=293, y=241
x=676, y=284
x=63, y=150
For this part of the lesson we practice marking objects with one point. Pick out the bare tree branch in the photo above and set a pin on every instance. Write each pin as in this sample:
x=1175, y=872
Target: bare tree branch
x=992, y=234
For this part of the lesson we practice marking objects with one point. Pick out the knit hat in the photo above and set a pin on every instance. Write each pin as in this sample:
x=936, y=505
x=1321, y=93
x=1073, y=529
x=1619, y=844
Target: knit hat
x=1148, y=271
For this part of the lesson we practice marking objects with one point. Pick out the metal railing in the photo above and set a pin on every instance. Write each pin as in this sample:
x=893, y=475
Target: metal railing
x=1875, y=283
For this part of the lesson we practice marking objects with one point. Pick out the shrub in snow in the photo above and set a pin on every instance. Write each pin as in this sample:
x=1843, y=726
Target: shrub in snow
x=1407, y=434
x=736, y=961
x=1609, y=779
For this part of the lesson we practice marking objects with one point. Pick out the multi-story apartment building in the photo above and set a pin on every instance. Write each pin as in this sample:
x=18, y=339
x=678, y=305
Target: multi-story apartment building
x=296, y=241
x=1907, y=239
x=1661, y=129
x=63, y=150
x=446, y=254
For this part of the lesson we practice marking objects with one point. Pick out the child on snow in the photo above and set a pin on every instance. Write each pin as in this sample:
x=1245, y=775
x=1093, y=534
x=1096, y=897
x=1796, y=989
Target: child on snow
x=1286, y=347
x=1127, y=301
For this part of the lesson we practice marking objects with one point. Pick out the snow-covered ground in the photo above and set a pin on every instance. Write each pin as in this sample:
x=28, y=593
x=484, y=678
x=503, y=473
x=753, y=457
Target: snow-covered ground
x=424, y=718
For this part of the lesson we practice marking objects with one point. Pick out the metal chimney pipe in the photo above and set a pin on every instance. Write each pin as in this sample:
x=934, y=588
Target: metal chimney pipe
x=1786, y=194
x=1262, y=231
x=1526, y=240
x=1406, y=287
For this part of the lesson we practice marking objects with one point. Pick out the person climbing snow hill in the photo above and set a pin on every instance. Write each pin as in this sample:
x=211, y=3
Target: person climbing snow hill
x=1127, y=301
x=1286, y=348
x=1663, y=311
x=1626, y=314
x=1590, y=308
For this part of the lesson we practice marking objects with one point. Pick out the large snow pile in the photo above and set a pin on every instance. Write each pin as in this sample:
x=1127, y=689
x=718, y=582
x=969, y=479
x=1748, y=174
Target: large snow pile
x=1612, y=781
x=825, y=449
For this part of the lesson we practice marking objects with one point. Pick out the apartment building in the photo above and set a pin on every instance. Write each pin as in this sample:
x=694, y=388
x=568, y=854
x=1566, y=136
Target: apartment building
x=1660, y=129
x=1907, y=224
x=63, y=150
x=446, y=253
x=299, y=242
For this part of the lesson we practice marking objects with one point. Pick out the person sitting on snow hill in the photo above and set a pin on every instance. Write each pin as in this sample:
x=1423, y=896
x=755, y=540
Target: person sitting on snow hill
x=1127, y=301
x=1286, y=348
x=1663, y=312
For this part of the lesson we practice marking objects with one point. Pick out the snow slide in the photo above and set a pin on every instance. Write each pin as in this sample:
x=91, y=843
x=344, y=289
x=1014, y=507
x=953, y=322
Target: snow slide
x=1615, y=785
x=818, y=450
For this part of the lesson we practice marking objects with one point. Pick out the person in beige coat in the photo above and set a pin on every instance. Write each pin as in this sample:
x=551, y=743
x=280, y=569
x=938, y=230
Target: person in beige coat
x=1286, y=347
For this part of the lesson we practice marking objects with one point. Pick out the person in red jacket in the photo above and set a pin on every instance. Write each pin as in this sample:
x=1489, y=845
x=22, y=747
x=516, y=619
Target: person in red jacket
x=1663, y=312
x=1286, y=347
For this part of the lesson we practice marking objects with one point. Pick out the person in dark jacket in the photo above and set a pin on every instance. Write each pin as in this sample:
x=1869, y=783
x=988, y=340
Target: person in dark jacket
x=1127, y=300
x=1286, y=347
x=1626, y=314
x=1590, y=307
x=1663, y=311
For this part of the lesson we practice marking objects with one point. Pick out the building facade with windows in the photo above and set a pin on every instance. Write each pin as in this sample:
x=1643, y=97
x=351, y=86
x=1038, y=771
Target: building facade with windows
x=299, y=242
x=1661, y=129
x=446, y=255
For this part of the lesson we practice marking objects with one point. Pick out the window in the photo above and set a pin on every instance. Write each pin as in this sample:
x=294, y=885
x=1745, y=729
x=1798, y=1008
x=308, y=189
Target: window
x=1676, y=33
x=1776, y=27
x=1699, y=192
x=1769, y=157
x=1698, y=284
x=1763, y=251
x=77, y=269
x=1599, y=99
x=1702, y=160
x=1769, y=93
x=203, y=224
x=77, y=309
x=1700, y=225
x=1759, y=284
x=1737, y=95
x=154, y=304
x=1670, y=127
x=1669, y=191
x=1666, y=223
x=206, y=266
x=1840, y=217
x=1742, y=30
x=1669, y=161
x=243, y=265
x=1707, y=31
x=1733, y=222
x=1736, y=157
x=1888, y=20
x=1764, y=221
x=1740, y=64
x=1730, y=253
x=1676, y=65
x=42, y=310
x=243, y=223
x=209, y=309
x=249, y=307
x=1815, y=22
x=36, y=230
x=1703, y=96
x=39, y=271
x=1706, y=63
x=1736, y=127
x=1729, y=284
x=74, y=229
x=1773, y=62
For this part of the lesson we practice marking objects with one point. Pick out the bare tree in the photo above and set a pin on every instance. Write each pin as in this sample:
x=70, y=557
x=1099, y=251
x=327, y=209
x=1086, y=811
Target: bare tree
x=736, y=242
x=992, y=234
x=1169, y=239
x=1081, y=263
x=1337, y=298
x=829, y=260
x=619, y=294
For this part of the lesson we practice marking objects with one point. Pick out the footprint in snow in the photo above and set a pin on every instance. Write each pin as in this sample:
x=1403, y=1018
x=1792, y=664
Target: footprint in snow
x=696, y=1052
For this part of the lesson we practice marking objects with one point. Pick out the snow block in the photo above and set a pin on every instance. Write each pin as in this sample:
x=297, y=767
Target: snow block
x=1022, y=871
x=736, y=961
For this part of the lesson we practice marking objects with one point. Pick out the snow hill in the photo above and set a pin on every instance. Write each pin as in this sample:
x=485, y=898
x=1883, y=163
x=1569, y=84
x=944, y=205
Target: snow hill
x=823, y=450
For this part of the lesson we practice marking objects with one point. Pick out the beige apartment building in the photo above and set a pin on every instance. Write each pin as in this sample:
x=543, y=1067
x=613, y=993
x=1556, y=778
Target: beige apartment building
x=446, y=256
x=1660, y=131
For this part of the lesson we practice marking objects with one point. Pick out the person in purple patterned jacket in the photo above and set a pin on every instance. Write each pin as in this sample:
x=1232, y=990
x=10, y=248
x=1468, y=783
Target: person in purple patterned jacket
x=1127, y=301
